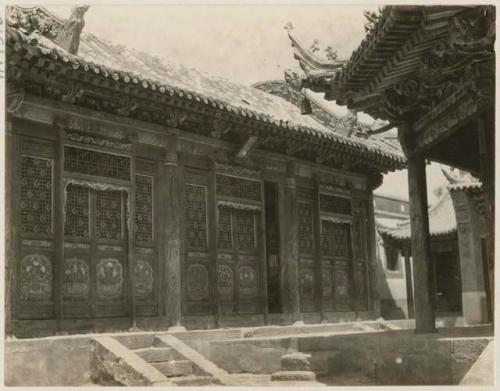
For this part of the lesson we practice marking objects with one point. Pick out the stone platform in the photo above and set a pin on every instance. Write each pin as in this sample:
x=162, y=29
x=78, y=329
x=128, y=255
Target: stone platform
x=340, y=354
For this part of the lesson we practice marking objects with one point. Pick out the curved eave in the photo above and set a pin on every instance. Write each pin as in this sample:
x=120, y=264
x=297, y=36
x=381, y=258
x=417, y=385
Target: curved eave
x=41, y=57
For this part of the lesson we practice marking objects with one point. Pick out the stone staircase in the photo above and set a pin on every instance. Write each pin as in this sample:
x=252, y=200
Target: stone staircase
x=142, y=360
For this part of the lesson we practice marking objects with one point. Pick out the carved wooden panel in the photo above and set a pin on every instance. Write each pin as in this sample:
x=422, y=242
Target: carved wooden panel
x=144, y=279
x=197, y=282
x=307, y=284
x=238, y=187
x=36, y=278
x=196, y=216
x=109, y=279
x=89, y=162
x=36, y=195
x=248, y=282
x=225, y=282
x=77, y=211
x=108, y=219
x=144, y=208
x=76, y=279
x=334, y=204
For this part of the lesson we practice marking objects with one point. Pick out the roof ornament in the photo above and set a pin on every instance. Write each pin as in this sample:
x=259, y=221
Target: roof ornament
x=69, y=36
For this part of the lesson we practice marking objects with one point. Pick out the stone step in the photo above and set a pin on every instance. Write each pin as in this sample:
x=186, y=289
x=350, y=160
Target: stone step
x=157, y=354
x=135, y=341
x=174, y=367
x=193, y=380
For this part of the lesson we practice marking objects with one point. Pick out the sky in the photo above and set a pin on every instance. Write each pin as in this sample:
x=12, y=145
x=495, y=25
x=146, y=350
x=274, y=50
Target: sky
x=242, y=43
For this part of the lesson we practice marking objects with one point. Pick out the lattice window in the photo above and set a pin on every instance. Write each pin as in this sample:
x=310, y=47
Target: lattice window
x=340, y=240
x=225, y=229
x=333, y=204
x=77, y=211
x=36, y=195
x=326, y=237
x=85, y=161
x=305, y=216
x=196, y=216
x=245, y=230
x=144, y=208
x=238, y=187
x=108, y=215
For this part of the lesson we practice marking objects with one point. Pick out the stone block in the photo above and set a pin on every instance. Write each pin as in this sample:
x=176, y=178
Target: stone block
x=157, y=354
x=295, y=361
x=136, y=341
x=174, y=368
x=293, y=376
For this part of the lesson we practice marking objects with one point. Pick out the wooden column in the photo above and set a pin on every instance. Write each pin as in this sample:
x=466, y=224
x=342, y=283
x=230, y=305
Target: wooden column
x=290, y=237
x=12, y=158
x=371, y=251
x=263, y=254
x=423, y=267
x=486, y=138
x=409, y=282
x=59, y=229
x=317, y=249
x=131, y=243
x=213, y=213
x=171, y=210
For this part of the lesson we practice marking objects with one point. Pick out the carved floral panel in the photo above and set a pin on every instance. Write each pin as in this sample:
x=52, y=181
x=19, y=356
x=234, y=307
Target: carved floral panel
x=197, y=282
x=307, y=284
x=225, y=282
x=143, y=279
x=36, y=278
x=76, y=279
x=248, y=281
x=109, y=279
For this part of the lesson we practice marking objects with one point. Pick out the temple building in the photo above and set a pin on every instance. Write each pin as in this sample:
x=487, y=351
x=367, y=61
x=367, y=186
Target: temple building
x=458, y=276
x=429, y=71
x=142, y=194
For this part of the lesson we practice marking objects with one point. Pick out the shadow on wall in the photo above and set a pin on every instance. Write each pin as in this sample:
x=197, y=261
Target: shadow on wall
x=391, y=286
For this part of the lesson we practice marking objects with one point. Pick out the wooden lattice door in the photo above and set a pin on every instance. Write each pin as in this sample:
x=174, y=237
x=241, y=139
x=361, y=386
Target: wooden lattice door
x=95, y=254
x=238, y=266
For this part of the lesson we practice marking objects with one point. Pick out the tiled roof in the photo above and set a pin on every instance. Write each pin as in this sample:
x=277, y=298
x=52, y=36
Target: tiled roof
x=121, y=64
x=442, y=220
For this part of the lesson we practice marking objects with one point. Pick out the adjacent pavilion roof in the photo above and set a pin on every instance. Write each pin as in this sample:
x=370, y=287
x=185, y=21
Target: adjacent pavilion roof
x=442, y=220
x=108, y=64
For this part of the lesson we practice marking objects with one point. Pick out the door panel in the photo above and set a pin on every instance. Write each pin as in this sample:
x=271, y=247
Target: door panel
x=95, y=254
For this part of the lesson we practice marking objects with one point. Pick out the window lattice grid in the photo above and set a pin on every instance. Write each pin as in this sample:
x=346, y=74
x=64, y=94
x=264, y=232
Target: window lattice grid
x=333, y=204
x=36, y=195
x=340, y=240
x=85, y=161
x=225, y=229
x=238, y=187
x=144, y=208
x=196, y=216
x=77, y=211
x=245, y=229
x=326, y=237
x=108, y=215
x=305, y=217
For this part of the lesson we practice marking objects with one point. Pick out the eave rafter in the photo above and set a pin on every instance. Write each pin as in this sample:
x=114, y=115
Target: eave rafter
x=105, y=91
